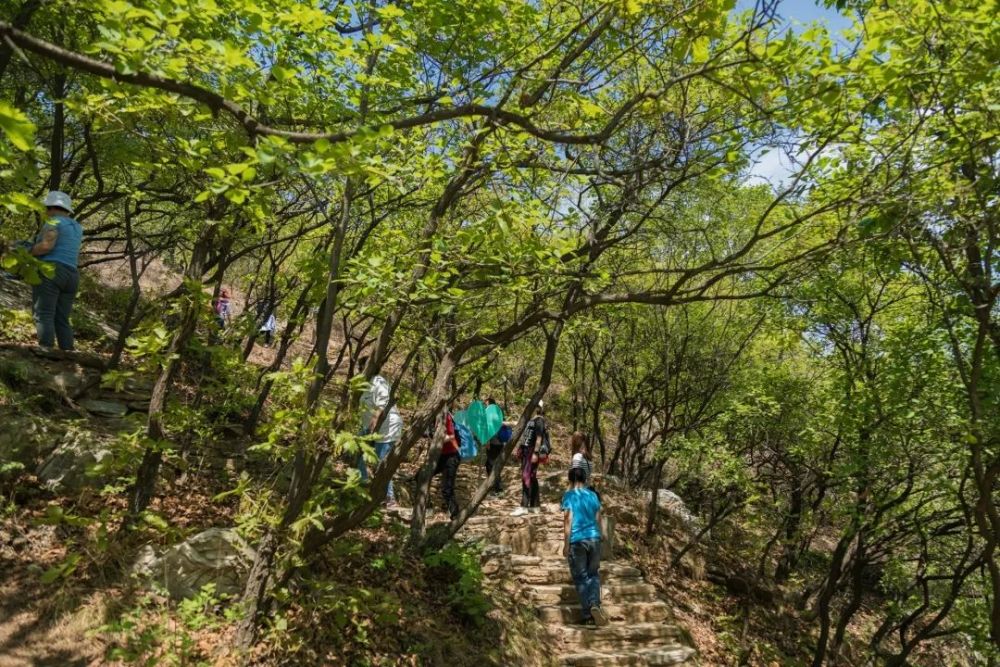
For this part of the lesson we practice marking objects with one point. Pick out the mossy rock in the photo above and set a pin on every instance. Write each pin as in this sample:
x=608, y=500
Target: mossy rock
x=25, y=440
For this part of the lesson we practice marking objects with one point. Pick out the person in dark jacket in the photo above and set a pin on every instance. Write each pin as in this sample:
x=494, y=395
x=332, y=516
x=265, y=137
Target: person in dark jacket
x=447, y=465
x=534, y=449
x=494, y=450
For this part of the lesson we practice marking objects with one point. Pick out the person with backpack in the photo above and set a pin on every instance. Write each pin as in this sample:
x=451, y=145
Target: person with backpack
x=447, y=464
x=494, y=450
x=52, y=298
x=533, y=451
x=582, y=546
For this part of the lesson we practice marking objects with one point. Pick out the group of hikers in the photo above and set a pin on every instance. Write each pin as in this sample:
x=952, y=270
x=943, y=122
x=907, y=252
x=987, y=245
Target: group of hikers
x=58, y=243
x=581, y=503
x=266, y=322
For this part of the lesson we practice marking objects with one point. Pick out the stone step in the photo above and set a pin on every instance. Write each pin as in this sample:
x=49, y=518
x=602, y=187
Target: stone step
x=525, y=560
x=618, y=638
x=631, y=612
x=546, y=547
x=551, y=594
x=558, y=573
x=671, y=654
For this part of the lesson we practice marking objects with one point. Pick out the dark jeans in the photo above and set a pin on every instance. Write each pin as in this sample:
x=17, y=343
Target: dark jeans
x=584, y=563
x=493, y=452
x=530, y=496
x=52, y=301
x=529, y=479
x=448, y=464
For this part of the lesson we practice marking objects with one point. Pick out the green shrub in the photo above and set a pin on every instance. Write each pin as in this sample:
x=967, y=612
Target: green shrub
x=459, y=567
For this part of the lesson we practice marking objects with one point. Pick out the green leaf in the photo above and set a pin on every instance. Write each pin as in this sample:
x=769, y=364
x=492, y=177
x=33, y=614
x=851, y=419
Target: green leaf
x=19, y=130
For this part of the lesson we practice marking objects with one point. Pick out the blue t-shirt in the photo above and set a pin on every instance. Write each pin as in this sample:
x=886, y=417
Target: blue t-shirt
x=70, y=236
x=584, y=504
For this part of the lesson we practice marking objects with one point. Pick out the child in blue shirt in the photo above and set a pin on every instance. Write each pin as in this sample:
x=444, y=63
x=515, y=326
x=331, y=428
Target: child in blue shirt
x=582, y=548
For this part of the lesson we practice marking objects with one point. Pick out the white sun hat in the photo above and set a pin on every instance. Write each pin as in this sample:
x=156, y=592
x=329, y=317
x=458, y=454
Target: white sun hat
x=57, y=199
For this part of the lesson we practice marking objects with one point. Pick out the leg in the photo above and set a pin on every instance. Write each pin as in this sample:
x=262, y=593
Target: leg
x=593, y=572
x=68, y=281
x=578, y=570
x=363, y=468
x=525, y=484
x=383, y=449
x=493, y=454
x=448, y=484
x=44, y=296
x=439, y=467
x=535, y=491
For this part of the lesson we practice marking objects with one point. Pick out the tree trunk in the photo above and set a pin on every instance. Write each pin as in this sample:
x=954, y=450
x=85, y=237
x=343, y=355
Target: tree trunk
x=654, y=504
x=133, y=302
x=57, y=141
x=307, y=464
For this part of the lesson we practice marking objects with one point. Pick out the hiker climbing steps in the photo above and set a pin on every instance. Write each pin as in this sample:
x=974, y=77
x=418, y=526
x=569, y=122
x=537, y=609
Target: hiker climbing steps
x=640, y=632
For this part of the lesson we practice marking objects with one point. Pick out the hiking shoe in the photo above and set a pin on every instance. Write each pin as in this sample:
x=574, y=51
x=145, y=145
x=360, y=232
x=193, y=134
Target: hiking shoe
x=600, y=618
x=534, y=510
x=520, y=511
x=588, y=622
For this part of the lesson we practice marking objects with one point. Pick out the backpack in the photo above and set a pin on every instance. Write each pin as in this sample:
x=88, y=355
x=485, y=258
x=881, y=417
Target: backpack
x=536, y=428
x=467, y=446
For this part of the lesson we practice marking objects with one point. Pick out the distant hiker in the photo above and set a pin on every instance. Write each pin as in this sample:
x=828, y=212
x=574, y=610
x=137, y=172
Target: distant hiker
x=581, y=455
x=447, y=463
x=265, y=315
x=52, y=299
x=222, y=308
x=374, y=403
x=533, y=450
x=494, y=450
x=582, y=546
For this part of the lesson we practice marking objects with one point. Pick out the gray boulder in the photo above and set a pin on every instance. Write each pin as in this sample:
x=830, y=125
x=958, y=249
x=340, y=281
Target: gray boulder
x=24, y=440
x=674, y=505
x=69, y=467
x=104, y=408
x=72, y=381
x=215, y=556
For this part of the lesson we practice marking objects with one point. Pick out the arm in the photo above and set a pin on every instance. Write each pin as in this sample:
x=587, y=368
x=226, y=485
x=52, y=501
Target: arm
x=49, y=236
x=373, y=422
x=380, y=401
x=449, y=429
x=567, y=524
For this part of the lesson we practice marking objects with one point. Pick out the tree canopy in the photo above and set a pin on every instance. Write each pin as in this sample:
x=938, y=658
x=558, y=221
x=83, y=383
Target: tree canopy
x=561, y=199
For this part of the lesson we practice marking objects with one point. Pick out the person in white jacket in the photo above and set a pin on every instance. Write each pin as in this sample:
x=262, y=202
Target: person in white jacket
x=378, y=416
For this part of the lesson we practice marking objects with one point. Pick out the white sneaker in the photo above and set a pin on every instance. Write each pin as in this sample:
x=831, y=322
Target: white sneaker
x=520, y=511
x=600, y=618
x=534, y=510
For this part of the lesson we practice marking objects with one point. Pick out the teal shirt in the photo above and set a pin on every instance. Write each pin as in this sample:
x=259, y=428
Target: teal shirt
x=584, y=504
x=70, y=237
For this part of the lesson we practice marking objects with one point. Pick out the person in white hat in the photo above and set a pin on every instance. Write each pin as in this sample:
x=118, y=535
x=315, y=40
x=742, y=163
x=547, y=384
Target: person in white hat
x=59, y=244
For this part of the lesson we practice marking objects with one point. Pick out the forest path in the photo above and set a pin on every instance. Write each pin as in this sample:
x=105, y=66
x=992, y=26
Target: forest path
x=641, y=629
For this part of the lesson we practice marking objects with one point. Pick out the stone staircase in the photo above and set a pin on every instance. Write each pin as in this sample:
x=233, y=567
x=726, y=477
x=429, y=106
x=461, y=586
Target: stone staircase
x=529, y=549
